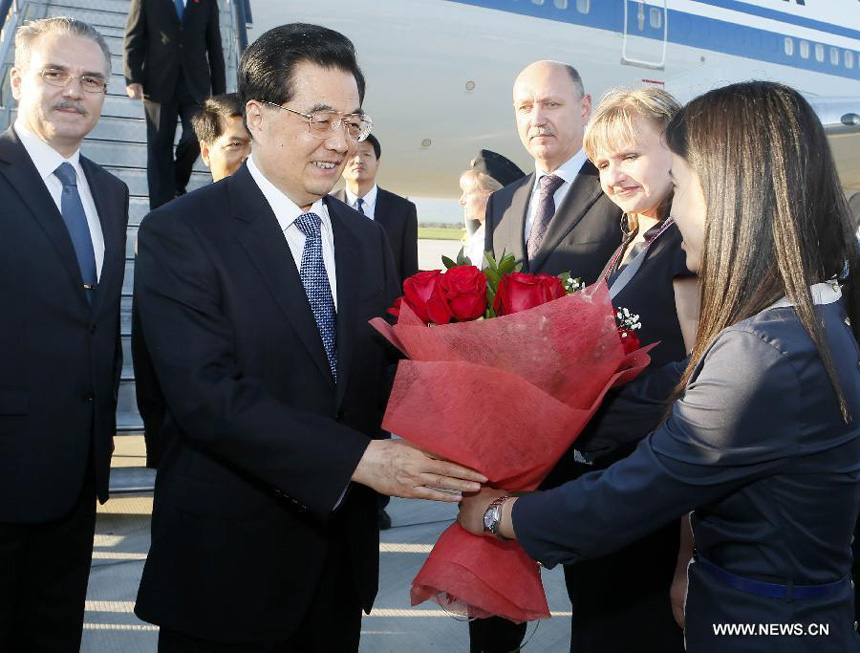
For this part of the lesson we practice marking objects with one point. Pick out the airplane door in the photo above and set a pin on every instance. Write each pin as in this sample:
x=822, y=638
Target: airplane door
x=646, y=28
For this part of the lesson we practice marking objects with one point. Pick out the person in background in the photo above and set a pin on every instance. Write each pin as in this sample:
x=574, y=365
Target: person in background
x=62, y=259
x=762, y=443
x=173, y=60
x=220, y=129
x=397, y=215
x=488, y=172
x=618, y=597
x=556, y=219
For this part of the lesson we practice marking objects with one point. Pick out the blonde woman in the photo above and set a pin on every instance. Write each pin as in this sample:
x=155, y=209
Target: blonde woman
x=487, y=173
x=618, y=597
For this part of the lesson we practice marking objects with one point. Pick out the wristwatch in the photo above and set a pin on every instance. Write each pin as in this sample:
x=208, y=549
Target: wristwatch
x=493, y=516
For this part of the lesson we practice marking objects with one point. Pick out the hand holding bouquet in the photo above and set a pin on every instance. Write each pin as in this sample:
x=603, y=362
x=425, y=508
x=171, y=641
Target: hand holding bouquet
x=511, y=370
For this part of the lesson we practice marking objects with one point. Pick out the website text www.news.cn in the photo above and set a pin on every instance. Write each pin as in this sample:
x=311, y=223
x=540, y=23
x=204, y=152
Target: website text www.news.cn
x=772, y=630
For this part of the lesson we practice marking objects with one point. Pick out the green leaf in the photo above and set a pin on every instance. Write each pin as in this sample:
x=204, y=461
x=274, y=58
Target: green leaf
x=448, y=263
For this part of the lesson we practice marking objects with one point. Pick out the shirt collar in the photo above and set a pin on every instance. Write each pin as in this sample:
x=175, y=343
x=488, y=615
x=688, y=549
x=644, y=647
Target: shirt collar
x=286, y=211
x=369, y=198
x=44, y=157
x=822, y=293
x=567, y=170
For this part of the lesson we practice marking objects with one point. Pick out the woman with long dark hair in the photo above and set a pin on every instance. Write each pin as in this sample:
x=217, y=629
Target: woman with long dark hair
x=763, y=440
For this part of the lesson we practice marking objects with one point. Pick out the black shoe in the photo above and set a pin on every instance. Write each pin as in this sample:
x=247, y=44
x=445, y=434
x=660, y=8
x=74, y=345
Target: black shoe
x=384, y=520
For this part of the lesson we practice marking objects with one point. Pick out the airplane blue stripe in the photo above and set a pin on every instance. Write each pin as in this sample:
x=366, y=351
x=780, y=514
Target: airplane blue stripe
x=684, y=29
x=800, y=21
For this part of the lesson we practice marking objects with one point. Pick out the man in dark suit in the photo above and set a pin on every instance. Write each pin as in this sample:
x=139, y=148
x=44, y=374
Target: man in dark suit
x=61, y=265
x=254, y=296
x=397, y=215
x=554, y=220
x=173, y=60
x=557, y=218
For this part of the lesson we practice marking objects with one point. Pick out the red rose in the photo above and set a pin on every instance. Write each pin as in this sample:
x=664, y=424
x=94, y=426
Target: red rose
x=519, y=292
x=629, y=340
x=465, y=290
x=417, y=291
x=437, y=306
x=395, y=308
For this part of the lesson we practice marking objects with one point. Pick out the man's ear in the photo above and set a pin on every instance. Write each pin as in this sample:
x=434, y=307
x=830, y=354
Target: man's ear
x=254, y=118
x=204, y=152
x=15, y=80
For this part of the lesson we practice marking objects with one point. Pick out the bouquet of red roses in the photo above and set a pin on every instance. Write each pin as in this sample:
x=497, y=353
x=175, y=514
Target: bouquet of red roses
x=505, y=396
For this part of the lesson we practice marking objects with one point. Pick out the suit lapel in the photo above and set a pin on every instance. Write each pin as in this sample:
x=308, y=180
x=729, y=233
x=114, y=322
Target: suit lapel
x=21, y=172
x=346, y=256
x=114, y=257
x=583, y=193
x=513, y=228
x=262, y=239
x=382, y=210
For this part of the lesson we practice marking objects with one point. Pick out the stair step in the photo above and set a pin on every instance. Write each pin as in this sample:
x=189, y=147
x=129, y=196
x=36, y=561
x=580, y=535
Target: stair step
x=131, y=480
x=127, y=397
x=98, y=18
x=126, y=154
x=130, y=240
x=135, y=178
x=125, y=321
x=129, y=422
x=113, y=6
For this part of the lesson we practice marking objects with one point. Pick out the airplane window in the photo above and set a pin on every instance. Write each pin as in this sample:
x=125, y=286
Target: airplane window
x=583, y=6
x=849, y=59
x=789, y=46
x=834, y=56
x=656, y=18
x=804, y=49
x=560, y=4
x=537, y=2
x=819, y=52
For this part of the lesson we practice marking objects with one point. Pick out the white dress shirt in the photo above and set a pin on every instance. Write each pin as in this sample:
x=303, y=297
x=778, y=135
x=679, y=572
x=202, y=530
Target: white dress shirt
x=567, y=171
x=286, y=212
x=369, y=206
x=47, y=160
x=474, y=247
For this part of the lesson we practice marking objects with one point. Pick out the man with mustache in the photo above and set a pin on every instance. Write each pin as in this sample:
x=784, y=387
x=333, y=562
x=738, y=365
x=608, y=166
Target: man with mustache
x=254, y=296
x=62, y=258
x=554, y=220
x=397, y=215
x=557, y=218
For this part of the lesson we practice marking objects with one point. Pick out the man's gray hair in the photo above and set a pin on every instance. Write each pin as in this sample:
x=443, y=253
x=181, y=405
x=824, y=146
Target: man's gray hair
x=29, y=32
x=574, y=75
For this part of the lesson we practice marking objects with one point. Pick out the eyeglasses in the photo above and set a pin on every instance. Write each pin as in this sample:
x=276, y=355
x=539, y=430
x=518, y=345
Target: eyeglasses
x=62, y=78
x=322, y=123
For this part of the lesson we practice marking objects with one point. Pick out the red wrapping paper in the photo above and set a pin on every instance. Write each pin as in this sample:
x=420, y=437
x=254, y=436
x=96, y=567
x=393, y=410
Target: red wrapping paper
x=507, y=397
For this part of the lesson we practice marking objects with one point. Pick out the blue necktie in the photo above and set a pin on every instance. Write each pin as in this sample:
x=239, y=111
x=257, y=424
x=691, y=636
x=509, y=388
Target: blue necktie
x=180, y=7
x=317, y=288
x=359, y=206
x=76, y=222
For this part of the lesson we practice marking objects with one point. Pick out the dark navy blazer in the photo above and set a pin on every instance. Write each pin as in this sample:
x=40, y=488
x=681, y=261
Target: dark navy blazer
x=758, y=448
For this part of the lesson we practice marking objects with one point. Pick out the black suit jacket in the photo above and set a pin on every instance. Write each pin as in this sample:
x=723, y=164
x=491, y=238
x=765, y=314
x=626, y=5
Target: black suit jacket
x=158, y=48
x=399, y=217
x=261, y=443
x=60, y=357
x=583, y=233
